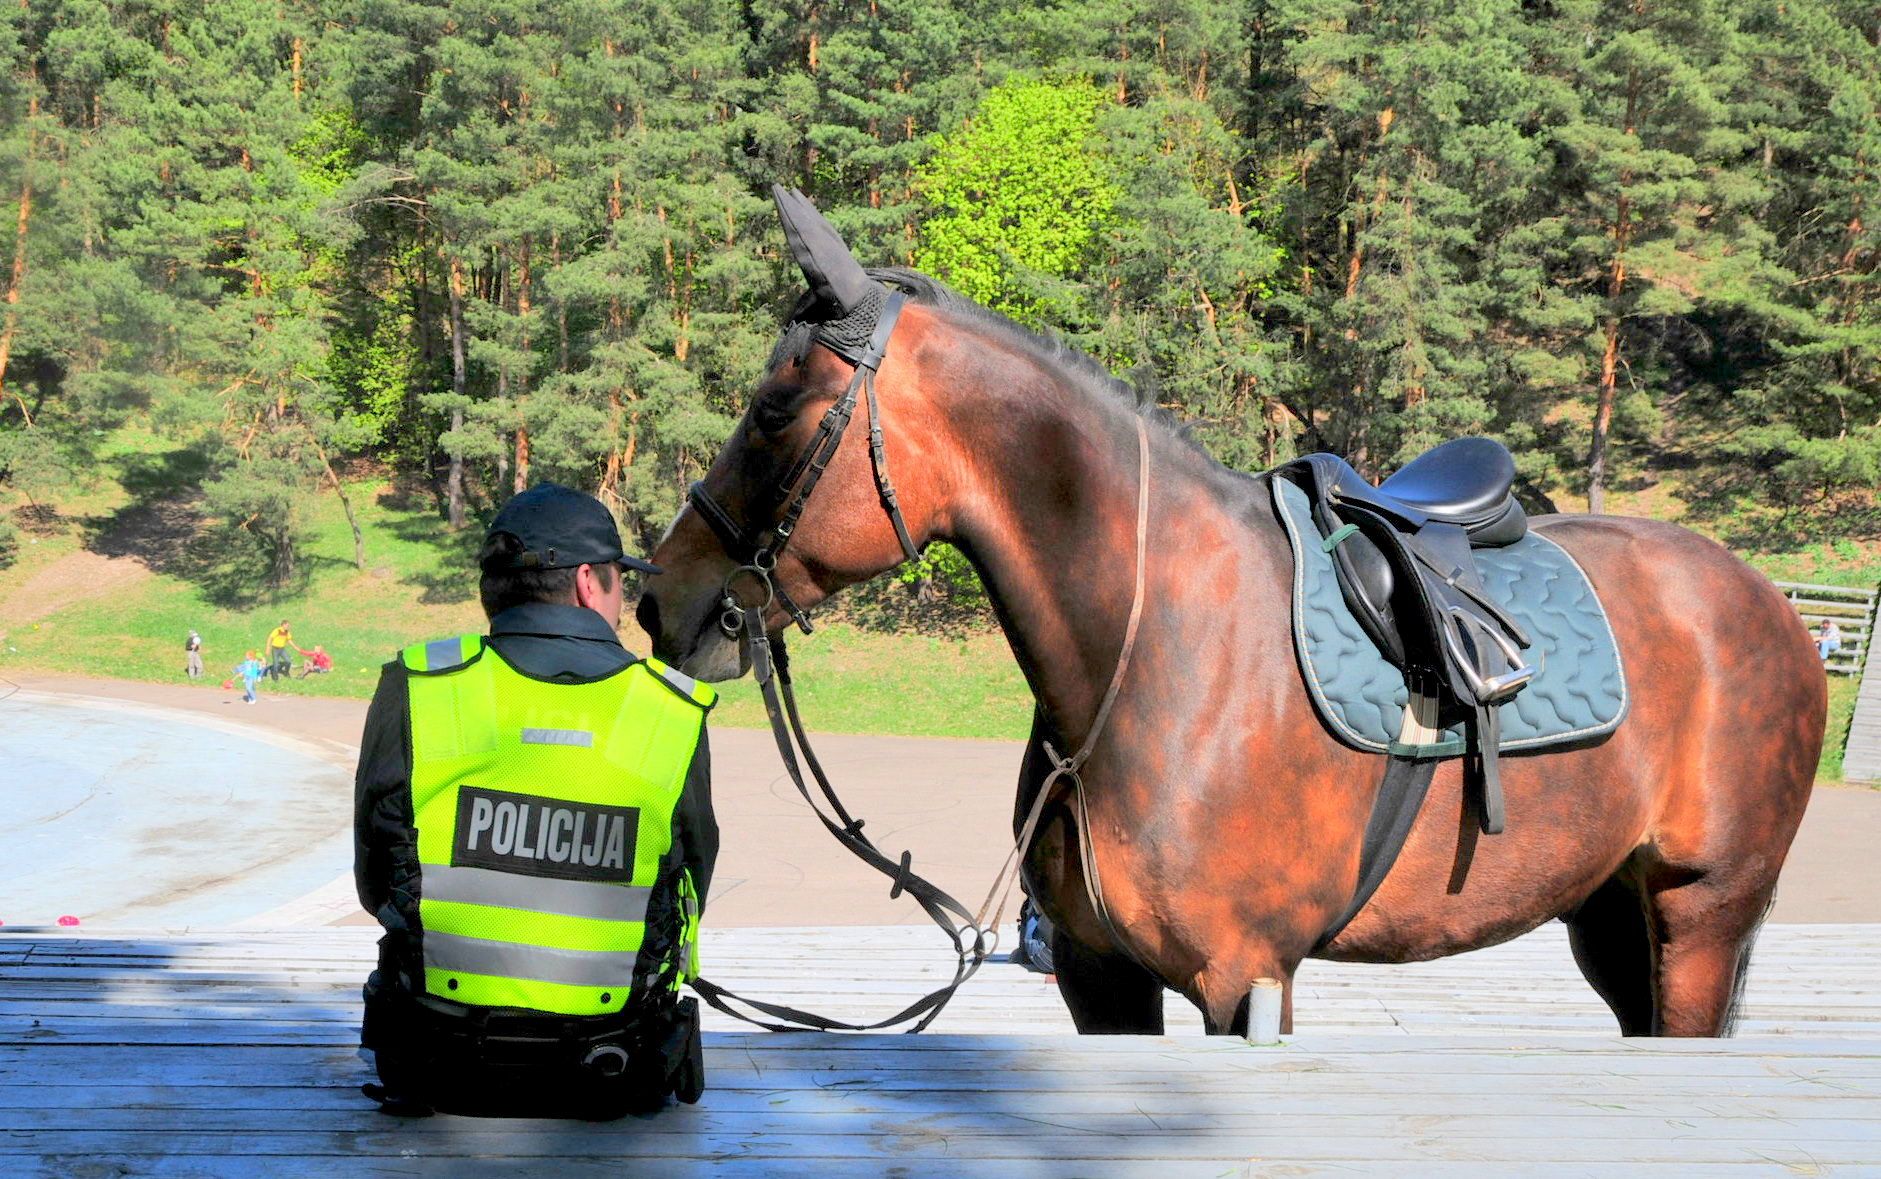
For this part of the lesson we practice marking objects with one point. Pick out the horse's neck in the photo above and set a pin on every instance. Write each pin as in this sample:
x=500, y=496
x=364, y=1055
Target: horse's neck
x=1054, y=538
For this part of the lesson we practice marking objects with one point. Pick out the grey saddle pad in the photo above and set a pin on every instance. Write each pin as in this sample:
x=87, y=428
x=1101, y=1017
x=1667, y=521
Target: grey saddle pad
x=1578, y=694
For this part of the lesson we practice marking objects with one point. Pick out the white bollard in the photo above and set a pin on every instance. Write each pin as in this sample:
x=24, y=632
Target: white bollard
x=1263, y=1012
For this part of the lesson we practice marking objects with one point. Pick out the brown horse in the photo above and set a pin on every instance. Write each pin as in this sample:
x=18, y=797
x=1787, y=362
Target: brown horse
x=1224, y=818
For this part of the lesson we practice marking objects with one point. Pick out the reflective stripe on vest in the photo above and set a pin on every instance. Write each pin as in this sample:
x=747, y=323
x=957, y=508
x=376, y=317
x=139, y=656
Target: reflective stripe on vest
x=543, y=816
x=691, y=689
x=538, y=894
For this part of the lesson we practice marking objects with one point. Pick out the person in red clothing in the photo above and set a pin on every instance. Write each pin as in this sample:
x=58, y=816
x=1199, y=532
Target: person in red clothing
x=315, y=662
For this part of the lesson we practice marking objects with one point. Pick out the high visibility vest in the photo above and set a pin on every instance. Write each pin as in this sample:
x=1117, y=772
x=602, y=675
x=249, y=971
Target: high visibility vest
x=544, y=817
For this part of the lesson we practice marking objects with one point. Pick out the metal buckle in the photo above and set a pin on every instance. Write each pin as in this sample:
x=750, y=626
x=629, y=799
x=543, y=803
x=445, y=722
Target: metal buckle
x=607, y=1060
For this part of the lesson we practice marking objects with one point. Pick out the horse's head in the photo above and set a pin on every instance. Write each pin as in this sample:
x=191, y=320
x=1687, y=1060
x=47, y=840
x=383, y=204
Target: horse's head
x=844, y=535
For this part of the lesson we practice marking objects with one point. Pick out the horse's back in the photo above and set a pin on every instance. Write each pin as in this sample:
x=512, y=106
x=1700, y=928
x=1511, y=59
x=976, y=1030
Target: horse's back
x=1666, y=578
x=1726, y=692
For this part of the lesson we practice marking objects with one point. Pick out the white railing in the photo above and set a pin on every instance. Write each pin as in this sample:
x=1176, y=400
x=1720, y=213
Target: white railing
x=1852, y=610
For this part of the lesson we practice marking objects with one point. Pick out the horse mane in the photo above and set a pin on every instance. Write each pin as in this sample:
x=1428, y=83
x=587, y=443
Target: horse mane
x=1082, y=370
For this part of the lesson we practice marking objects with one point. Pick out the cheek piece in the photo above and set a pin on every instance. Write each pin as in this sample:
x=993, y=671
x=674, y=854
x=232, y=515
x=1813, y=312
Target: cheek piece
x=757, y=549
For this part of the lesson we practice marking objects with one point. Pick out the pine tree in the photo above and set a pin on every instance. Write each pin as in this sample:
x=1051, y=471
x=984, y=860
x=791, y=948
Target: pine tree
x=1648, y=166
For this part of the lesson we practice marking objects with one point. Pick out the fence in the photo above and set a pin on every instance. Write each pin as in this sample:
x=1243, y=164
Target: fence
x=1853, y=610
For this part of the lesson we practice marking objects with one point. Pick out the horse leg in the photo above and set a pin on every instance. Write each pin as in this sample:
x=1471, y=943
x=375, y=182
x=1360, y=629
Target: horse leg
x=1230, y=1017
x=1703, y=930
x=1615, y=951
x=1108, y=994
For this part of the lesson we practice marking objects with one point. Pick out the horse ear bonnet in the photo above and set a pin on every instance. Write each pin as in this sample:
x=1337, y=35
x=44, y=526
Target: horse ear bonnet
x=847, y=300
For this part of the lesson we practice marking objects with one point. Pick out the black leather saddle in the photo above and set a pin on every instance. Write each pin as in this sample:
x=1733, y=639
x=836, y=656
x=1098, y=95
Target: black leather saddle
x=1465, y=482
x=1402, y=554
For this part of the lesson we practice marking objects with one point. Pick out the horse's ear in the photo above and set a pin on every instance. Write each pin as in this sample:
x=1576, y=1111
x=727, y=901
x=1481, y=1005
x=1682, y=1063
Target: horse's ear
x=835, y=277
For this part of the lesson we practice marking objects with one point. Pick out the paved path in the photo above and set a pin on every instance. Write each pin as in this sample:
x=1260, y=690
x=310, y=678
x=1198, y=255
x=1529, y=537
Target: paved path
x=129, y=815
x=948, y=800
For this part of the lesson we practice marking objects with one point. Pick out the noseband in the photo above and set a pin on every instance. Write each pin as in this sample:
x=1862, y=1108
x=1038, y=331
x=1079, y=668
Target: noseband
x=758, y=552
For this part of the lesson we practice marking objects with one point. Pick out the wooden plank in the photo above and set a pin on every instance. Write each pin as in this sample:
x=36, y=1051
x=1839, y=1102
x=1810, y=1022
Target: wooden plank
x=108, y=1106
x=1052, y=1067
x=1861, y=759
x=1868, y=593
x=991, y=1117
x=410, y=1165
x=200, y=1056
x=1772, y=1144
x=1802, y=978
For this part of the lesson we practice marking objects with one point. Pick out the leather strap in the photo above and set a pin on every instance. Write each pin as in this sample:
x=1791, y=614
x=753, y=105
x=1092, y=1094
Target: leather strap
x=1487, y=722
x=770, y=666
x=1394, y=808
x=793, y=491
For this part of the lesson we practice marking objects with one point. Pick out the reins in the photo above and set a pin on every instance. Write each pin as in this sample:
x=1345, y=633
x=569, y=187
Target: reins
x=974, y=935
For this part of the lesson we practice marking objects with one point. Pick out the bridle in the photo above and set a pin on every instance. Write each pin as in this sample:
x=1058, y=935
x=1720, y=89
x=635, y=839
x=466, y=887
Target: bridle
x=975, y=935
x=757, y=554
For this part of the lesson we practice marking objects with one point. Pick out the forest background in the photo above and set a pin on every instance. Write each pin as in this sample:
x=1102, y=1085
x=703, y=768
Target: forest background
x=299, y=291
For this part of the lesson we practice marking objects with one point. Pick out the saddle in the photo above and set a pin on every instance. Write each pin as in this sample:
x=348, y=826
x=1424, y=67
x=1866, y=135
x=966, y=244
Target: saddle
x=1402, y=552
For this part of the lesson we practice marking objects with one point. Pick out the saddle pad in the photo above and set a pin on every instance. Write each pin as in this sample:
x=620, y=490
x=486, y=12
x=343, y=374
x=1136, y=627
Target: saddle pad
x=1579, y=689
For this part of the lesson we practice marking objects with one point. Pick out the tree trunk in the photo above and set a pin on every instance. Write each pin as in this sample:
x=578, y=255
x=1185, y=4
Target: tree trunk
x=561, y=307
x=522, y=378
x=454, y=485
x=1610, y=355
x=681, y=343
x=346, y=503
x=18, y=276
x=1603, y=419
x=499, y=295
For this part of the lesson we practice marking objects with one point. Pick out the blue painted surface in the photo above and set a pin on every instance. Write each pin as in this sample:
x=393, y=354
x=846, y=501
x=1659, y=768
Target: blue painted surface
x=122, y=816
x=1578, y=693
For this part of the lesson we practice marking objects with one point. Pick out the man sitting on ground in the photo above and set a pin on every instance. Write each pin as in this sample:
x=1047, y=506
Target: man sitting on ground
x=534, y=829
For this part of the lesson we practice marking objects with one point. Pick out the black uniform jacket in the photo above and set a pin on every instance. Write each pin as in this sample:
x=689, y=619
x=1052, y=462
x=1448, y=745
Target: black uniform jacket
x=541, y=639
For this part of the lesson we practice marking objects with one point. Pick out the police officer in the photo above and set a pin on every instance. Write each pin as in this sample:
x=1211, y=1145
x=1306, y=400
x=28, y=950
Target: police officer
x=533, y=828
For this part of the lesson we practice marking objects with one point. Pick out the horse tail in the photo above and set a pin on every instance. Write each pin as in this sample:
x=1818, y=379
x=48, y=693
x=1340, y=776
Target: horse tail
x=1743, y=970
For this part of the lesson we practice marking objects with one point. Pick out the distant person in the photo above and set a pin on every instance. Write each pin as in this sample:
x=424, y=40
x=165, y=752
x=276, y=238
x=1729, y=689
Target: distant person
x=250, y=671
x=533, y=828
x=1828, y=639
x=317, y=662
x=192, y=656
x=280, y=663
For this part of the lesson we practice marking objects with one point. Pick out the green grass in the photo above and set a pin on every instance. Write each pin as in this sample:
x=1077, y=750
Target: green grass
x=413, y=588
x=854, y=681
x=419, y=584
x=1833, y=562
x=1842, y=690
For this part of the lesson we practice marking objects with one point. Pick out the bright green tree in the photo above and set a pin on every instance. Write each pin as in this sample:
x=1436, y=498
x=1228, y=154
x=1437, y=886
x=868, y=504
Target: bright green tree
x=1019, y=197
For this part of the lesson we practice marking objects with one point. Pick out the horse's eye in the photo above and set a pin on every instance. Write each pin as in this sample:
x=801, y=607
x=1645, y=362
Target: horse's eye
x=774, y=411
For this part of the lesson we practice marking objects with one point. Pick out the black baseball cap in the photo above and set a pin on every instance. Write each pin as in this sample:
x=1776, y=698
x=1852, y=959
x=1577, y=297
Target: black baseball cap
x=561, y=528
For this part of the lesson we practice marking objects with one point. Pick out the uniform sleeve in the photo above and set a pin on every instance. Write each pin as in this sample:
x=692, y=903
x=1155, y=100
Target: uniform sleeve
x=381, y=788
x=698, y=826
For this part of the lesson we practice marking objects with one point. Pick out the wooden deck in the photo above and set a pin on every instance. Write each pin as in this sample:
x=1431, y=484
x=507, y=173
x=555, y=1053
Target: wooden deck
x=233, y=1054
